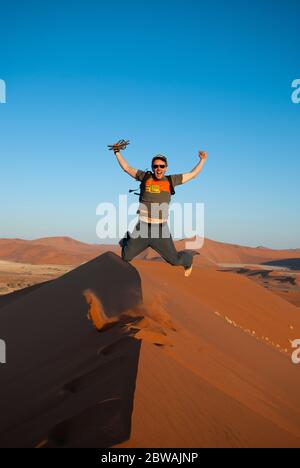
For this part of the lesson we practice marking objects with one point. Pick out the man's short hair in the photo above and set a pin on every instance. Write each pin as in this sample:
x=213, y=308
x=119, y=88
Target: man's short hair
x=159, y=156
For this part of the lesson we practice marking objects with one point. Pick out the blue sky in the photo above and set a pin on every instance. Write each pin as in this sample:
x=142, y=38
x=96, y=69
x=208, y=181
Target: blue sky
x=171, y=76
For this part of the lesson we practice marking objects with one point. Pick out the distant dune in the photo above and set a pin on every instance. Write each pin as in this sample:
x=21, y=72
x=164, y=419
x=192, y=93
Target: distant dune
x=203, y=361
x=67, y=251
x=52, y=250
x=221, y=252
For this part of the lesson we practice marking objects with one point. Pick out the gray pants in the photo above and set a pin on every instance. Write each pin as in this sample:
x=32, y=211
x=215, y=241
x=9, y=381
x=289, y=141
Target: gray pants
x=158, y=237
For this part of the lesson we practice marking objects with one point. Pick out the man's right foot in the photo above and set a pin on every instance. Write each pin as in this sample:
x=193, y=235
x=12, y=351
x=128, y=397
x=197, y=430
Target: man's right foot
x=188, y=271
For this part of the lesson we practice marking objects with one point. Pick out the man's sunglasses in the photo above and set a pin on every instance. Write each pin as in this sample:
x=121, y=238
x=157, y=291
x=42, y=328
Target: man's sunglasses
x=161, y=166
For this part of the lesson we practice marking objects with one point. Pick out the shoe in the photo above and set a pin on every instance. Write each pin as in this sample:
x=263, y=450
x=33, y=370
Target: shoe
x=123, y=242
x=188, y=271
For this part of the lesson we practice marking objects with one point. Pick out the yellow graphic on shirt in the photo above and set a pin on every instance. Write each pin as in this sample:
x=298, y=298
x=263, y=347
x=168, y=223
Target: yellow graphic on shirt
x=153, y=188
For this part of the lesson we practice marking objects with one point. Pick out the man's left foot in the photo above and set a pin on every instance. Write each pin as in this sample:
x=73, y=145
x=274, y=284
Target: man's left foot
x=188, y=270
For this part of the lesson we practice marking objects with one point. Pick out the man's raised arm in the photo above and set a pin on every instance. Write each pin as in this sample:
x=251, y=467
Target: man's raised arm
x=124, y=165
x=194, y=172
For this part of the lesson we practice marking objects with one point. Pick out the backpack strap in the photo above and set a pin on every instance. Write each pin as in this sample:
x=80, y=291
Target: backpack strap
x=148, y=175
x=171, y=184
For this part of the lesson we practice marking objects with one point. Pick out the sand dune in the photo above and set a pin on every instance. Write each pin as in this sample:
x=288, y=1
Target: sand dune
x=55, y=250
x=63, y=375
x=222, y=252
x=219, y=385
x=65, y=243
x=176, y=362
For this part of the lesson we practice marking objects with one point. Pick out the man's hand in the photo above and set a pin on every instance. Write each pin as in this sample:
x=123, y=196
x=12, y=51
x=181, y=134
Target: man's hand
x=202, y=155
x=120, y=145
x=194, y=172
x=116, y=147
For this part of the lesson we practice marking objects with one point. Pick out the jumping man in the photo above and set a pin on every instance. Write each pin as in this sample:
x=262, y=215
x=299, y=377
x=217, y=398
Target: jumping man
x=152, y=228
